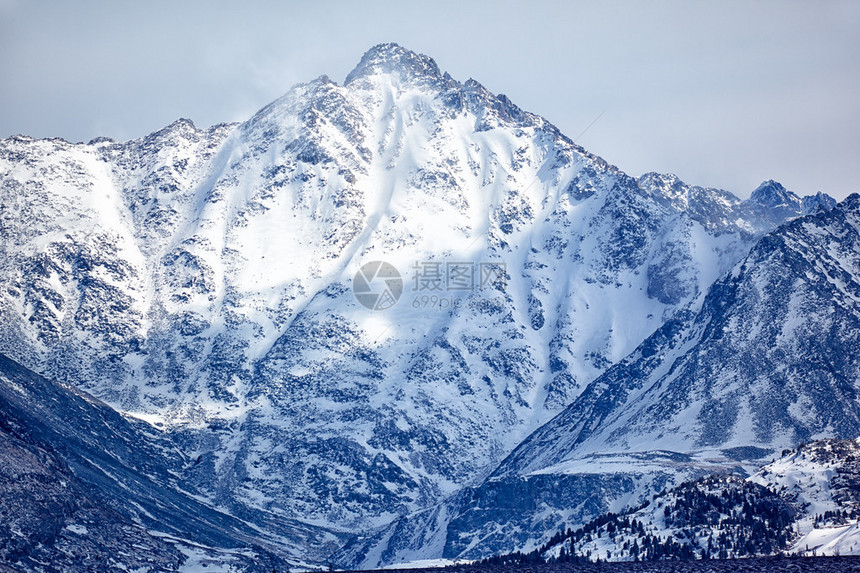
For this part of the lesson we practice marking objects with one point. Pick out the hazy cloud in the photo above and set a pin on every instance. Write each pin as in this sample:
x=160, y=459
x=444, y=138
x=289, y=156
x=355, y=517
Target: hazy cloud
x=723, y=94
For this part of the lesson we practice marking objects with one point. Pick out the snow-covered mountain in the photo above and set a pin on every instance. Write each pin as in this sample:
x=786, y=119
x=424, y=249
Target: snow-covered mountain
x=768, y=360
x=201, y=280
x=805, y=503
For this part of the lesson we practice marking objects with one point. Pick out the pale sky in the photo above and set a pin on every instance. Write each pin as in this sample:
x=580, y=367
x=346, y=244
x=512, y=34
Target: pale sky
x=723, y=94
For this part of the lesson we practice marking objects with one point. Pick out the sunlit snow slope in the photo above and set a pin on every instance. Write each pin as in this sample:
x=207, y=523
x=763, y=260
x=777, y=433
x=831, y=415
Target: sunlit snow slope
x=201, y=280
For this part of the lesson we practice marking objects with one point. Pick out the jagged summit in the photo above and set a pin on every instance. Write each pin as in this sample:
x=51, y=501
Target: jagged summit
x=393, y=58
x=851, y=202
x=202, y=279
x=772, y=194
x=818, y=202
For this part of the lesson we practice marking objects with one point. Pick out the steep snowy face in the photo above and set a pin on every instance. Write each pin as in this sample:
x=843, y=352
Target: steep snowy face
x=202, y=279
x=767, y=362
x=83, y=230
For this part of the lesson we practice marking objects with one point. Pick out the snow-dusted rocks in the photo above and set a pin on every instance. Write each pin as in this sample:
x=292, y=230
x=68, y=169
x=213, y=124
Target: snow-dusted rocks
x=822, y=481
x=200, y=280
x=764, y=363
x=85, y=489
x=804, y=503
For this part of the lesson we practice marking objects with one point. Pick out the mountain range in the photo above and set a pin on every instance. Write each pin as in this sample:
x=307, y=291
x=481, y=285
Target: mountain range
x=567, y=339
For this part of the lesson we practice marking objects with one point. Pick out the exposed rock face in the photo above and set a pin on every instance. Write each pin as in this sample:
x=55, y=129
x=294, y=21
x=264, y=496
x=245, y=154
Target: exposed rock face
x=85, y=489
x=200, y=279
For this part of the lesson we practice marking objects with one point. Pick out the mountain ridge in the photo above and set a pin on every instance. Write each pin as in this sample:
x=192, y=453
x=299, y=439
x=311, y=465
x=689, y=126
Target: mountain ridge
x=200, y=279
x=86, y=488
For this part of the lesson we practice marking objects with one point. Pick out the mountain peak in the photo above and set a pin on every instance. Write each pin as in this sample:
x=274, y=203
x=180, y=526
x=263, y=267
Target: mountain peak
x=818, y=202
x=392, y=58
x=851, y=203
x=772, y=194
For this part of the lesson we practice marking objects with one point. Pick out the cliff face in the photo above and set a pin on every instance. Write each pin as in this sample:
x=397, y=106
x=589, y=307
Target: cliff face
x=202, y=280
